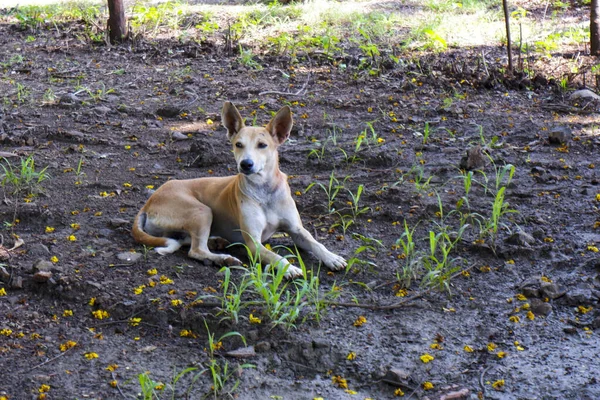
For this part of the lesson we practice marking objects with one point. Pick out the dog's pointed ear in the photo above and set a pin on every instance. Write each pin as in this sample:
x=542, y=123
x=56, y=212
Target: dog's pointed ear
x=232, y=120
x=281, y=125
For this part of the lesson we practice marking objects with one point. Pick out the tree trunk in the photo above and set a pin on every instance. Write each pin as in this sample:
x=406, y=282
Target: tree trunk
x=508, y=41
x=117, y=24
x=595, y=28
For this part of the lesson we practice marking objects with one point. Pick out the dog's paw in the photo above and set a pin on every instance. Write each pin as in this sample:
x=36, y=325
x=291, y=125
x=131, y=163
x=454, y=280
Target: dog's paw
x=292, y=272
x=230, y=261
x=335, y=262
x=171, y=246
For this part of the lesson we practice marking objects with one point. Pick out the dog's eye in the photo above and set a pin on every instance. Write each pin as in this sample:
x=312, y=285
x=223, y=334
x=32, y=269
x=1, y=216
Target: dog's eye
x=262, y=145
x=239, y=145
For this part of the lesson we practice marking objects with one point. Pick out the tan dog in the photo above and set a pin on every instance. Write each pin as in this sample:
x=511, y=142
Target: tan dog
x=249, y=206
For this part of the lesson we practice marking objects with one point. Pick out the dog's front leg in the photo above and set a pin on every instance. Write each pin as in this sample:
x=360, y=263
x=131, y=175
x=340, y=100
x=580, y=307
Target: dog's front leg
x=268, y=257
x=306, y=241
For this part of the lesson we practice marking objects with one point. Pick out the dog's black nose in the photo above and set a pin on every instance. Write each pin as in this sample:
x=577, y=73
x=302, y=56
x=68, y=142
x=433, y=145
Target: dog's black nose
x=246, y=165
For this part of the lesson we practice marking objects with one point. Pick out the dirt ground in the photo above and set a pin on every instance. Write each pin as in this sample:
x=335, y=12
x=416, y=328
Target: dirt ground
x=519, y=322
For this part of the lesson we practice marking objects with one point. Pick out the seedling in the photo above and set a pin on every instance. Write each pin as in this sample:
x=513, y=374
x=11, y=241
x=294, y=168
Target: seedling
x=331, y=190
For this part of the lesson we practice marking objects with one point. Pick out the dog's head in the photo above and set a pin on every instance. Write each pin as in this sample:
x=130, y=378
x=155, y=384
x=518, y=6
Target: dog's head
x=255, y=148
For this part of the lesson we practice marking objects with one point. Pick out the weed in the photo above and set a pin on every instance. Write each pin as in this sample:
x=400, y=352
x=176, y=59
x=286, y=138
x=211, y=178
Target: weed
x=370, y=245
x=100, y=93
x=247, y=59
x=331, y=190
x=79, y=172
x=23, y=92
x=49, y=97
x=24, y=179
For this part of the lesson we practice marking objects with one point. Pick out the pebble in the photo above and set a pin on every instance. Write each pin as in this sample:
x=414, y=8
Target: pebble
x=581, y=294
x=17, y=283
x=119, y=222
x=42, y=276
x=559, y=135
x=541, y=308
x=129, y=256
x=242, y=352
x=39, y=250
x=474, y=159
x=179, y=136
x=396, y=375
x=460, y=394
x=584, y=94
x=44, y=266
x=551, y=290
x=521, y=238
x=262, y=347
x=4, y=274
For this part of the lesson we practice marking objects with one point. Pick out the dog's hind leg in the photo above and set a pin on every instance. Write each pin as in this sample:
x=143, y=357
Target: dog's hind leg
x=198, y=226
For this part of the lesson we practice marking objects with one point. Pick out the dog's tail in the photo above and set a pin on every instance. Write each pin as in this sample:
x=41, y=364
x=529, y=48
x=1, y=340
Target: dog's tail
x=140, y=236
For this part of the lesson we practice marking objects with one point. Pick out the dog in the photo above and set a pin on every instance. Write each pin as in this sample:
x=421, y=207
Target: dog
x=248, y=207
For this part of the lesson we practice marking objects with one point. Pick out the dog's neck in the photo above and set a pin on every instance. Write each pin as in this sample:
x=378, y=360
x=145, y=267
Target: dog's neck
x=263, y=186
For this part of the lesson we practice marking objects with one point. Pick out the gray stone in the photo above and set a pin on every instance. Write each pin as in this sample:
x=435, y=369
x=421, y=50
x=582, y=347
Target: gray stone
x=521, y=238
x=539, y=307
x=17, y=283
x=102, y=110
x=474, y=159
x=531, y=293
x=179, y=136
x=585, y=94
x=45, y=266
x=551, y=290
x=42, y=276
x=4, y=274
x=580, y=295
x=262, y=347
x=119, y=222
x=559, y=135
x=396, y=376
x=129, y=257
x=39, y=250
x=242, y=352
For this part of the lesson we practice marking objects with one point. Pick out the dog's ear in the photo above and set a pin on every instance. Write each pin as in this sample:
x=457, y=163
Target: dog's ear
x=281, y=125
x=232, y=120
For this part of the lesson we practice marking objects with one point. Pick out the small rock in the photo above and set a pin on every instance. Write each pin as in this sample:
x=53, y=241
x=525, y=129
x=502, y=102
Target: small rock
x=395, y=375
x=242, y=352
x=102, y=110
x=461, y=394
x=42, y=276
x=531, y=293
x=570, y=330
x=179, y=136
x=129, y=256
x=43, y=265
x=39, y=250
x=119, y=222
x=105, y=232
x=97, y=285
x=551, y=290
x=17, y=283
x=580, y=295
x=168, y=111
x=585, y=94
x=521, y=238
x=541, y=308
x=41, y=378
x=4, y=274
x=262, y=347
x=475, y=159
x=559, y=135
x=596, y=323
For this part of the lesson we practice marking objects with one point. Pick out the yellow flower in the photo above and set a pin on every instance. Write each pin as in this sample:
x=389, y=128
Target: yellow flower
x=491, y=346
x=351, y=356
x=113, y=383
x=298, y=193
x=159, y=386
x=49, y=229
x=44, y=388
x=521, y=297
x=351, y=391
x=71, y=238
x=90, y=355
x=187, y=333
x=340, y=382
x=54, y=259
x=112, y=367
x=68, y=313
x=67, y=345
x=592, y=248
x=176, y=302
x=427, y=385
x=92, y=301
x=165, y=280
x=530, y=315
x=254, y=320
x=6, y=332
x=152, y=272
x=209, y=122
x=127, y=185
x=436, y=346
x=75, y=226
x=427, y=358
x=360, y=321
x=134, y=321
x=149, y=186
x=510, y=262
x=380, y=140
x=217, y=346
x=514, y=318
x=398, y=392
x=468, y=349
x=100, y=314
x=2, y=292
x=499, y=384
x=584, y=310
x=501, y=354
x=138, y=290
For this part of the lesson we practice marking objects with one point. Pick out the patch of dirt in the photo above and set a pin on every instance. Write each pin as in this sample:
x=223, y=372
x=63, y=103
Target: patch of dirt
x=152, y=114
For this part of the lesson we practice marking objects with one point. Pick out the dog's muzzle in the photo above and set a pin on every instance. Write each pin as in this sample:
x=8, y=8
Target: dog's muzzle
x=247, y=166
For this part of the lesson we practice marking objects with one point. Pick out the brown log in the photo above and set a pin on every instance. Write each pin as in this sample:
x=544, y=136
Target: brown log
x=117, y=24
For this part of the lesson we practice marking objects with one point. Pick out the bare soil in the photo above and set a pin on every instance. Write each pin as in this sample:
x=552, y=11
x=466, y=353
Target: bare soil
x=155, y=116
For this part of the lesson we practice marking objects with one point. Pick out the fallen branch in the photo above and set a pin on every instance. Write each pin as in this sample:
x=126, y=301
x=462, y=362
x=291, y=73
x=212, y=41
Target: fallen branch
x=300, y=92
x=52, y=359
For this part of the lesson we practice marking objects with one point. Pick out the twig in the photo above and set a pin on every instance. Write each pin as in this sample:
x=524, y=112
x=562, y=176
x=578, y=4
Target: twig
x=481, y=381
x=52, y=359
x=398, y=304
x=298, y=93
x=117, y=385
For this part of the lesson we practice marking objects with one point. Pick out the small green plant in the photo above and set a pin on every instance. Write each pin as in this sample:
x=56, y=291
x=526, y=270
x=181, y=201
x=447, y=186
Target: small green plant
x=149, y=387
x=426, y=133
x=22, y=180
x=49, y=97
x=406, y=243
x=246, y=58
x=331, y=190
x=23, y=92
x=79, y=174
x=100, y=93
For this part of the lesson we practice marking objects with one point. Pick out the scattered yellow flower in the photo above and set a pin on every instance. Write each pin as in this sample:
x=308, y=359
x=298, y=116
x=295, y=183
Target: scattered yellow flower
x=71, y=238
x=217, y=346
x=510, y=262
x=209, y=122
x=67, y=313
x=360, y=321
x=492, y=346
x=92, y=301
x=398, y=392
x=152, y=272
x=165, y=280
x=530, y=315
x=298, y=193
x=499, y=384
x=176, y=302
x=187, y=333
x=127, y=185
x=584, y=309
x=75, y=226
x=6, y=332
x=501, y=354
x=50, y=229
x=2, y=292
x=351, y=356
x=90, y=355
x=54, y=259
x=254, y=320
x=436, y=346
x=592, y=248
x=150, y=187
x=67, y=345
x=427, y=385
x=159, y=386
x=44, y=388
x=340, y=382
x=514, y=318
x=100, y=314
x=521, y=297
x=427, y=358
x=134, y=321
x=113, y=383
x=468, y=349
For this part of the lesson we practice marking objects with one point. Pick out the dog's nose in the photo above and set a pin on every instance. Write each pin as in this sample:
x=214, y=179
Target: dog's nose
x=246, y=165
